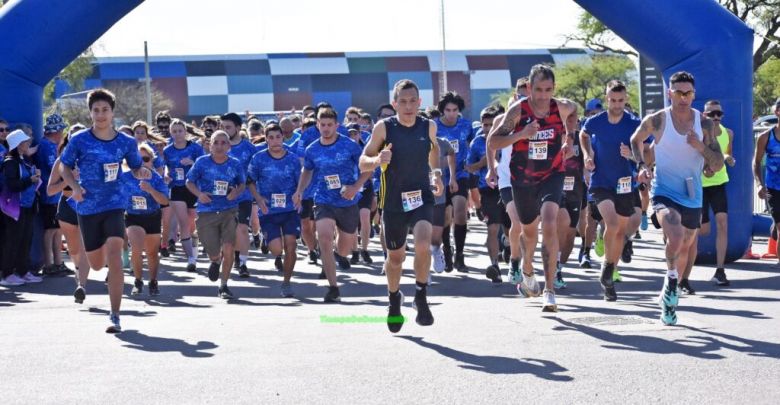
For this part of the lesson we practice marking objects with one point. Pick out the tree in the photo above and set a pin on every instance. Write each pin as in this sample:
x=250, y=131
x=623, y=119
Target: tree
x=74, y=74
x=766, y=86
x=761, y=15
x=584, y=79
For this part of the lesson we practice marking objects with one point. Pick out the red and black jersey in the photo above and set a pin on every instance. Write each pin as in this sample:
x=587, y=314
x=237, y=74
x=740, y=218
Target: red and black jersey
x=535, y=159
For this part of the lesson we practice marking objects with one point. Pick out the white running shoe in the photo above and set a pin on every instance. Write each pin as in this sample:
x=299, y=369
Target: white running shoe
x=12, y=281
x=530, y=287
x=31, y=278
x=437, y=256
x=548, y=301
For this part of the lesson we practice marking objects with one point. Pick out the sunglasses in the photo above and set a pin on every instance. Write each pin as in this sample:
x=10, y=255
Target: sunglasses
x=163, y=127
x=5, y=130
x=681, y=94
x=714, y=114
x=146, y=159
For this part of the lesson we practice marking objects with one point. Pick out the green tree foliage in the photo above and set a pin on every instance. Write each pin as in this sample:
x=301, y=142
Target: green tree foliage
x=585, y=79
x=74, y=74
x=766, y=86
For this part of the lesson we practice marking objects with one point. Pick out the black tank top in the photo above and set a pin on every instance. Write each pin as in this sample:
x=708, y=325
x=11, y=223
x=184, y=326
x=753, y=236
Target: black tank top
x=408, y=171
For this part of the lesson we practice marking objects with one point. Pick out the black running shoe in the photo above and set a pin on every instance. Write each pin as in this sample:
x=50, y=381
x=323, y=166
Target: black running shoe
x=720, y=278
x=214, y=271
x=313, y=256
x=256, y=241
x=395, y=321
x=638, y=236
x=322, y=275
x=278, y=263
x=685, y=286
x=607, y=283
x=342, y=261
x=164, y=252
x=460, y=263
x=366, y=257
x=225, y=293
x=424, y=315
x=191, y=268
x=264, y=247
x=585, y=261
x=243, y=272
x=448, y=267
x=79, y=295
x=626, y=255
x=332, y=295
x=480, y=215
x=138, y=287
x=493, y=273
x=355, y=257
x=236, y=260
x=172, y=246
x=154, y=288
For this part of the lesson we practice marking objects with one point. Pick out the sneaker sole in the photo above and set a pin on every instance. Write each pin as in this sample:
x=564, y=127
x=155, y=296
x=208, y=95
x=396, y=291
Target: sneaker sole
x=720, y=283
x=114, y=329
x=550, y=308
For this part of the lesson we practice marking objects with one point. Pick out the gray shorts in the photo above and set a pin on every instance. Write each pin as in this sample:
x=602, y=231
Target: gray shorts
x=216, y=229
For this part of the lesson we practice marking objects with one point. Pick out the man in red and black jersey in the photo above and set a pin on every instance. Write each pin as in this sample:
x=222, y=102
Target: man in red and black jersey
x=535, y=128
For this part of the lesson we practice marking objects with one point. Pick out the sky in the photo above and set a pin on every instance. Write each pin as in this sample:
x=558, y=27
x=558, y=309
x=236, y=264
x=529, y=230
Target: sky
x=189, y=27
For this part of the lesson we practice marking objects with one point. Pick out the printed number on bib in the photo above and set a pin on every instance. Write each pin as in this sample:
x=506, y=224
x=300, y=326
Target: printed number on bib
x=568, y=183
x=411, y=200
x=179, y=173
x=278, y=200
x=624, y=185
x=110, y=171
x=220, y=187
x=537, y=150
x=455, y=145
x=139, y=203
x=334, y=182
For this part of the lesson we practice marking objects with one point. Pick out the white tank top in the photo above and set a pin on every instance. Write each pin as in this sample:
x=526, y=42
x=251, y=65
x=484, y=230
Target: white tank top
x=676, y=161
x=504, y=178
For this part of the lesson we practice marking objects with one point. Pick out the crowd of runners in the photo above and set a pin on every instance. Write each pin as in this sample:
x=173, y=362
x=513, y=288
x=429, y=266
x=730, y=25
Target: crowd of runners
x=538, y=172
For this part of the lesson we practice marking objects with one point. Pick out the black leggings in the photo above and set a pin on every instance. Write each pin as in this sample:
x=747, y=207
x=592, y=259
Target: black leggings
x=17, y=238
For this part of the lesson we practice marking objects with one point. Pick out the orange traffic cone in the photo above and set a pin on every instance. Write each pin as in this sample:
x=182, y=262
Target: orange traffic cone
x=749, y=255
x=771, y=249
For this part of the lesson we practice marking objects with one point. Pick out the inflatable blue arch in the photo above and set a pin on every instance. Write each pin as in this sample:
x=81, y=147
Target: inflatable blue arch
x=700, y=36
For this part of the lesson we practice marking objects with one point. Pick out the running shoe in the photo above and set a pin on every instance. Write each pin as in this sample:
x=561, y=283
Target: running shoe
x=342, y=261
x=395, y=321
x=684, y=287
x=63, y=269
x=448, y=267
x=668, y=314
x=515, y=276
x=460, y=263
x=243, y=271
x=154, y=288
x=138, y=287
x=669, y=295
x=164, y=252
x=638, y=236
x=237, y=261
x=616, y=277
x=256, y=241
x=225, y=293
x=264, y=247
x=529, y=287
x=355, y=259
x=625, y=256
x=420, y=304
x=559, y=283
x=31, y=278
x=172, y=245
x=493, y=273
x=643, y=224
x=286, y=290
x=114, y=326
x=191, y=268
x=332, y=295
x=79, y=295
x=438, y=259
x=585, y=261
x=214, y=271
x=608, y=282
x=313, y=257
x=548, y=301
x=600, y=245
x=12, y=281
x=719, y=278
x=366, y=257
x=279, y=264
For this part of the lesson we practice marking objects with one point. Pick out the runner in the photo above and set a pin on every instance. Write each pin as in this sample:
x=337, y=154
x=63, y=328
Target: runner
x=535, y=128
x=440, y=218
x=406, y=148
x=684, y=145
x=218, y=181
x=572, y=200
x=605, y=138
x=331, y=166
x=143, y=220
x=366, y=199
x=768, y=143
x=98, y=152
x=273, y=179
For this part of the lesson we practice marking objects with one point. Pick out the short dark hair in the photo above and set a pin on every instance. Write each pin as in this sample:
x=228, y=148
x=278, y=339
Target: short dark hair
x=163, y=115
x=308, y=122
x=271, y=128
x=499, y=108
x=488, y=112
x=451, y=97
x=101, y=95
x=307, y=107
x=320, y=106
x=522, y=82
x=327, y=113
x=682, y=77
x=211, y=119
x=541, y=72
x=712, y=102
x=384, y=107
x=231, y=116
x=616, y=85
x=366, y=116
x=432, y=112
x=404, y=84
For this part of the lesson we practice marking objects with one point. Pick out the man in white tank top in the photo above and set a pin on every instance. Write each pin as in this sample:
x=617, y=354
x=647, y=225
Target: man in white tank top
x=685, y=145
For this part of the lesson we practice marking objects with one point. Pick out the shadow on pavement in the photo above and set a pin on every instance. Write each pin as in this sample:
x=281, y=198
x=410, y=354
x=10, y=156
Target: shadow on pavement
x=139, y=341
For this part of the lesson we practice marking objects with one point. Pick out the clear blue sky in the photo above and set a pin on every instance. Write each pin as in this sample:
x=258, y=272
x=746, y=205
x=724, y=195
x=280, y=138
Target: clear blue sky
x=187, y=27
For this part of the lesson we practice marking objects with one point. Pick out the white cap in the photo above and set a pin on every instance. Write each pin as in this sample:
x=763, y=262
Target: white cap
x=15, y=138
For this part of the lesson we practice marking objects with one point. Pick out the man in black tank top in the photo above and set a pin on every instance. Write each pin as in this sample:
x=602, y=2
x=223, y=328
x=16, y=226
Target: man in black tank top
x=405, y=147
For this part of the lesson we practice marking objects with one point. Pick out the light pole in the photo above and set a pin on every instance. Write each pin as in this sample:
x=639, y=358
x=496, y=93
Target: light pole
x=443, y=75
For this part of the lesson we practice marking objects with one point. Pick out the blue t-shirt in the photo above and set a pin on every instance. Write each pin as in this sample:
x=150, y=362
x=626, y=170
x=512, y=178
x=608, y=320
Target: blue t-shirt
x=477, y=151
x=333, y=166
x=216, y=179
x=243, y=151
x=293, y=141
x=275, y=179
x=173, y=157
x=44, y=160
x=605, y=140
x=309, y=136
x=140, y=202
x=459, y=136
x=99, y=164
x=159, y=162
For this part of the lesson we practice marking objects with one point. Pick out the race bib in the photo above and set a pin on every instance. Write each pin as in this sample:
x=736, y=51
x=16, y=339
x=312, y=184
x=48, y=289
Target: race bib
x=537, y=150
x=179, y=173
x=576, y=150
x=455, y=145
x=624, y=185
x=110, y=172
x=139, y=203
x=220, y=187
x=411, y=200
x=334, y=182
x=278, y=200
x=568, y=183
